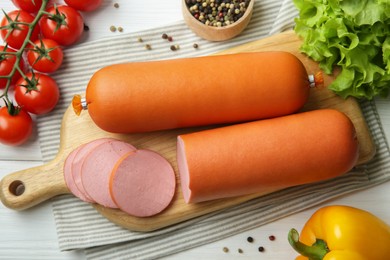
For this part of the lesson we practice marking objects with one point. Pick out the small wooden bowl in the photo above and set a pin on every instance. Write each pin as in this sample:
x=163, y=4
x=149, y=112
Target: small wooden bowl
x=212, y=33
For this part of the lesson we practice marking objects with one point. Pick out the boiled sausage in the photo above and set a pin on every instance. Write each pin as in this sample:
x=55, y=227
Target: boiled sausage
x=266, y=155
x=69, y=180
x=96, y=170
x=78, y=162
x=158, y=95
x=142, y=183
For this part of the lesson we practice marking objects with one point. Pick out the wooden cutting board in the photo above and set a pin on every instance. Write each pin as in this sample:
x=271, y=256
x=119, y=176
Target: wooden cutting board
x=29, y=187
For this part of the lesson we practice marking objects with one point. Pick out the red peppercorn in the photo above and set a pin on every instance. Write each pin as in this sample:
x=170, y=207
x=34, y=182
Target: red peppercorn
x=272, y=238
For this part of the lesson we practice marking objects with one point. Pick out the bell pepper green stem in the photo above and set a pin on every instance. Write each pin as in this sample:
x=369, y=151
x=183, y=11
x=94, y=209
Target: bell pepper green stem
x=315, y=252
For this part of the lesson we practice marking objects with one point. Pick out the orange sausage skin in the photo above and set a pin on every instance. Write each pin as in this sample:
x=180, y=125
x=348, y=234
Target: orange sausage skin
x=267, y=155
x=160, y=95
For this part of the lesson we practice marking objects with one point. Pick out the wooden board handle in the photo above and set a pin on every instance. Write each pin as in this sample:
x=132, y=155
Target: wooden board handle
x=26, y=188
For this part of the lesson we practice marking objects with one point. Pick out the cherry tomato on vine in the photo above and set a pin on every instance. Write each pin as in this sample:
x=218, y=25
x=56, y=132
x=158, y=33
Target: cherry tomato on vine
x=31, y=6
x=85, y=5
x=45, y=55
x=39, y=95
x=15, y=125
x=65, y=25
x=15, y=34
x=7, y=62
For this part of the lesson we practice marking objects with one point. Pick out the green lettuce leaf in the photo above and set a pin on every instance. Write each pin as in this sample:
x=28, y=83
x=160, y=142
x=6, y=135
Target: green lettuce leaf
x=354, y=35
x=386, y=53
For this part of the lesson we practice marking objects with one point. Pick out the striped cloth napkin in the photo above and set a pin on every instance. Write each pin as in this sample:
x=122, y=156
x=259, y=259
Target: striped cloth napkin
x=79, y=226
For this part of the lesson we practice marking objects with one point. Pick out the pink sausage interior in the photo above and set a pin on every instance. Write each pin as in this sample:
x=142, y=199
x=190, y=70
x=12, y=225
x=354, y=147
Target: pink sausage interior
x=68, y=176
x=97, y=167
x=78, y=162
x=142, y=183
x=183, y=170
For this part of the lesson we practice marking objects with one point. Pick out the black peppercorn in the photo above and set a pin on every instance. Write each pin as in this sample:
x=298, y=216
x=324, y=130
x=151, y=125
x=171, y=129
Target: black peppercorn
x=249, y=239
x=174, y=47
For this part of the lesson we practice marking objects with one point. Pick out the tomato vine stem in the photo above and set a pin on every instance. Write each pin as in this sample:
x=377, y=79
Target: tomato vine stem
x=19, y=53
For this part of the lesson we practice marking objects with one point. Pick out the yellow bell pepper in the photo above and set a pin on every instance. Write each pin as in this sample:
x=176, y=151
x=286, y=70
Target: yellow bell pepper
x=342, y=233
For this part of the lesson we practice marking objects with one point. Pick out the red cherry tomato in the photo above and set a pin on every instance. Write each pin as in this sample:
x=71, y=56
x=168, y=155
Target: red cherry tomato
x=7, y=62
x=85, y=5
x=31, y=6
x=39, y=96
x=15, y=128
x=45, y=56
x=65, y=26
x=17, y=33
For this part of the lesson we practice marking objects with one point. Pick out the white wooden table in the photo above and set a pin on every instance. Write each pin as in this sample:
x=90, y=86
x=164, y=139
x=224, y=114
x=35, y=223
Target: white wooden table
x=31, y=234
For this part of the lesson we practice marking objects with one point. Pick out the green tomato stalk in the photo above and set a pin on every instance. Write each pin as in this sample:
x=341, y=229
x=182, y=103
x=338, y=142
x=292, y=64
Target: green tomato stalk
x=13, y=25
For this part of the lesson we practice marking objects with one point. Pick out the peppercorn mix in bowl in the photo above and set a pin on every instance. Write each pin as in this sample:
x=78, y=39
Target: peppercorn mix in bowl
x=217, y=20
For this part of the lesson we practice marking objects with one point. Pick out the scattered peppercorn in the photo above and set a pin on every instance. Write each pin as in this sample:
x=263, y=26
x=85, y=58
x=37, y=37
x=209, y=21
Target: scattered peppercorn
x=148, y=46
x=272, y=238
x=112, y=28
x=140, y=39
x=174, y=47
x=120, y=29
x=86, y=28
x=195, y=45
x=240, y=251
x=225, y=249
x=116, y=5
x=217, y=13
x=261, y=249
x=250, y=239
x=164, y=36
x=170, y=38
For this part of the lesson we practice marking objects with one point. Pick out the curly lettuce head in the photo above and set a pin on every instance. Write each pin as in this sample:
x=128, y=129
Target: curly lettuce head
x=354, y=35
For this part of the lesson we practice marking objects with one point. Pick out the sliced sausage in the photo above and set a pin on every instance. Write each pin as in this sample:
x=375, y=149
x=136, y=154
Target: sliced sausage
x=266, y=155
x=68, y=176
x=97, y=167
x=78, y=162
x=142, y=183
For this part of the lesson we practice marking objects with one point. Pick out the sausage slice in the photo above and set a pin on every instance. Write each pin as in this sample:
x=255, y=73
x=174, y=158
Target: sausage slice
x=97, y=167
x=68, y=176
x=78, y=162
x=142, y=183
